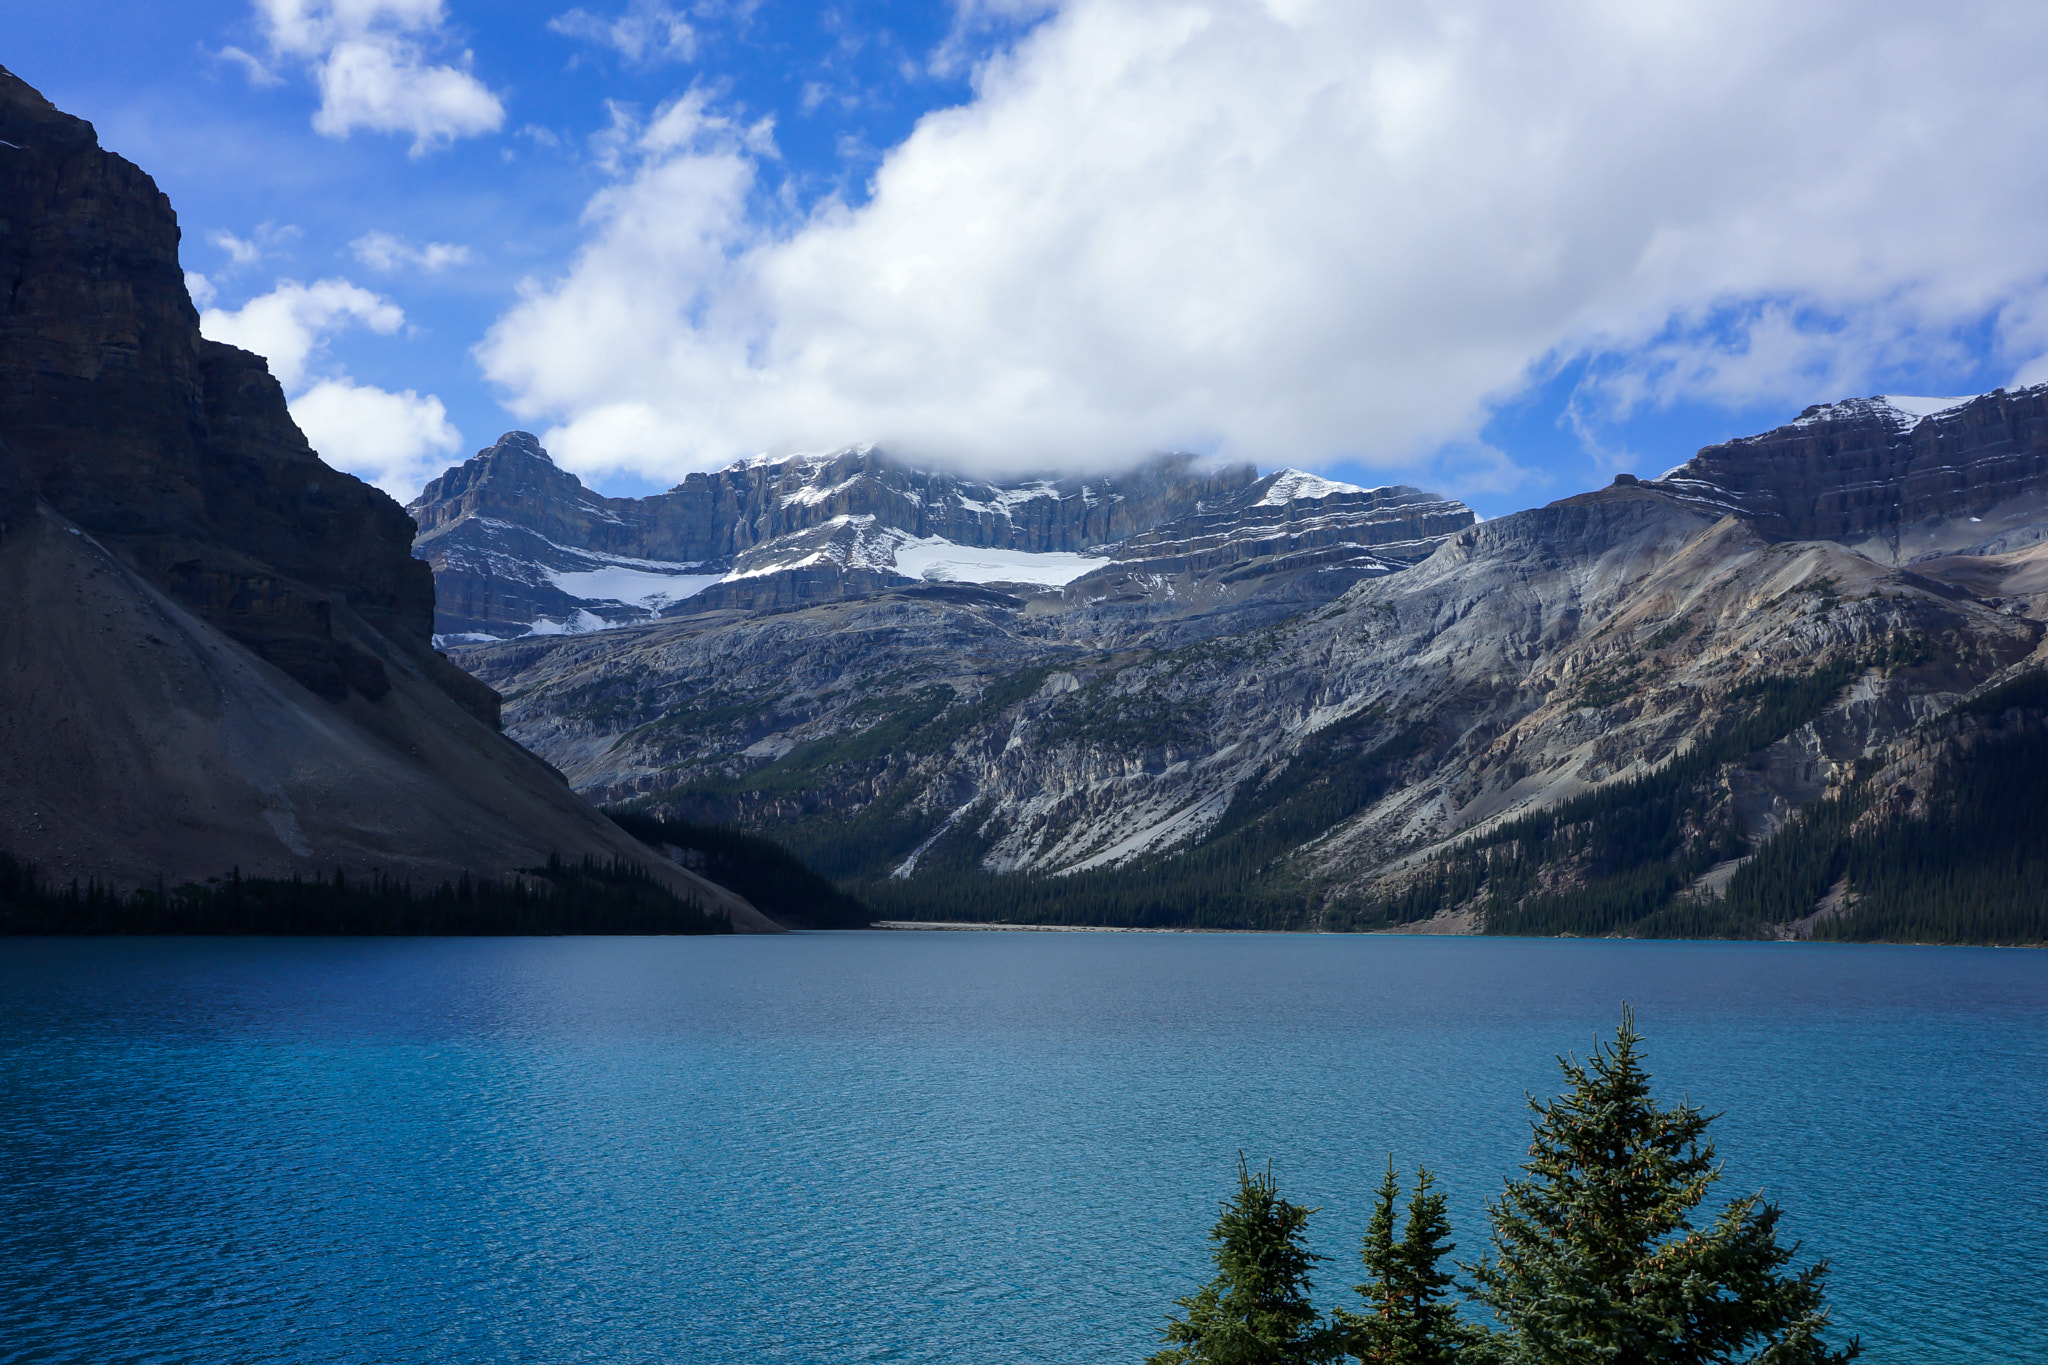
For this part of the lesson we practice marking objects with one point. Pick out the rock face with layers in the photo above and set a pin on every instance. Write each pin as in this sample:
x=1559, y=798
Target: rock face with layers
x=1901, y=479
x=215, y=650
x=1333, y=748
x=519, y=546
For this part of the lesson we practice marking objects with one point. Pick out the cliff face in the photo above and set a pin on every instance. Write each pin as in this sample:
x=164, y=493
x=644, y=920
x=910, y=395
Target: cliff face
x=177, y=449
x=217, y=649
x=1186, y=736
x=1901, y=479
x=519, y=546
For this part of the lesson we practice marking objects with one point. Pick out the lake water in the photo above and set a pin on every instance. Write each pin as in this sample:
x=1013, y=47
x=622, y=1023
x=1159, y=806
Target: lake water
x=938, y=1147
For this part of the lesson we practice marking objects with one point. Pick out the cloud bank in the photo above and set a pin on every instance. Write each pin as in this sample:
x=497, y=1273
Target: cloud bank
x=1305, y=230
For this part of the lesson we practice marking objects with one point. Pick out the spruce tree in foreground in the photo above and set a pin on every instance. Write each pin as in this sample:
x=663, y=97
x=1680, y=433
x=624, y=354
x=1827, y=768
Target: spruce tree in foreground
x=1257, y=1310
x=1407, y=1320
x=1596, y=1259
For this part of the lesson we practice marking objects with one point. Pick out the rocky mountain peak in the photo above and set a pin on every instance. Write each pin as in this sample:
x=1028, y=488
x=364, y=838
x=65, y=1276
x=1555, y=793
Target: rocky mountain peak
x=1900, y=478
x=520, y=546
x=218, y=647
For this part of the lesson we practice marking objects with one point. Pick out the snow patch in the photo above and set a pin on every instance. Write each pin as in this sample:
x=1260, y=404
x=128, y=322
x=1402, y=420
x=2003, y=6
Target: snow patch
x=1293, y=485
x=938, y=560
x=1926, y=407
x=641, y=588
x=580, y=622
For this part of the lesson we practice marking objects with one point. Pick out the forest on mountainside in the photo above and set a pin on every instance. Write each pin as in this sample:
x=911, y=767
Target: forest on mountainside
x=1963, y=862
x=615, y=897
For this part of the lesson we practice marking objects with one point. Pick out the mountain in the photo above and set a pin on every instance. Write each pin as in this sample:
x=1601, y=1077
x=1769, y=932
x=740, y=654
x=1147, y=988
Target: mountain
x=1610, y=714
x=521, y=547
x=217, y=649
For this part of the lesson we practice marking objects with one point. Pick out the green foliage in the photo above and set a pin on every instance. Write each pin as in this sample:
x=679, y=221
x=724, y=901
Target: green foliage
x=1257, y=1309
x=1972, y=867
x=1974, y=870
x=767, y=874
x=1616, y=682
x=1615, y=859
x=1596, y=1257
x=1672, y=633
x=614, y=897
x=1127, y=722
x=905, y=723
x=2028, y=692
x=1228, y=880
x=1407, y=1318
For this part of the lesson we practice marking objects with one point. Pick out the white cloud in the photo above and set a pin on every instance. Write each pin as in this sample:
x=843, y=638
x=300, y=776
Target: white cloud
x=386, y=252
x=373, y=61
x=1300, y=230
x=200, y=288
x=253, y=66
x=646, y=33
x=241, y=251
x=289, y=325
x=396, y=441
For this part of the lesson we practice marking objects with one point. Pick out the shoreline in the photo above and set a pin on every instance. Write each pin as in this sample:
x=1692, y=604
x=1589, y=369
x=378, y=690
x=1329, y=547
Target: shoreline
x=973, y=926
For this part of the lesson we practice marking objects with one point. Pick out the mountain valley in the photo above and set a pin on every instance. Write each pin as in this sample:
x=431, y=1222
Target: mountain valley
x=1324, y=710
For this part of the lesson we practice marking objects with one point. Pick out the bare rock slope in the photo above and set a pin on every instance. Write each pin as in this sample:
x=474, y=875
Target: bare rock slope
x=520, y=547
x=215, y=650
x=1735, y=641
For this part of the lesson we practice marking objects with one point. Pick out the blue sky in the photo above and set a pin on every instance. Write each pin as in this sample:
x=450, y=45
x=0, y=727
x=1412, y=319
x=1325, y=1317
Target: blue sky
x=1505, y=251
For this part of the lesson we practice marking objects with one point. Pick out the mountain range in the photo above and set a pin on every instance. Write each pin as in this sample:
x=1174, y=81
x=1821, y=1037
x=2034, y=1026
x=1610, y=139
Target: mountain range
x=1285, y=702
x=1796, y=686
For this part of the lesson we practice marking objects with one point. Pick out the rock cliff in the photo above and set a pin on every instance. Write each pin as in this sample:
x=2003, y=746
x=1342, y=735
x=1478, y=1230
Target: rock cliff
x=1171, y=752
x=1900, y=479
x=521, y=547
x=217, y=649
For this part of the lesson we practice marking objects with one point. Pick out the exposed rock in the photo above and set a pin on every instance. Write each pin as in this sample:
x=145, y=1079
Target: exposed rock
x=520, y=547
x=1525, y=661
x=215, y=650
x=1900, y=479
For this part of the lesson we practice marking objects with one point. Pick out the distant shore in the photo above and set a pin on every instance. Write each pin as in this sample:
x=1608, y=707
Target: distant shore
x=1040, y=928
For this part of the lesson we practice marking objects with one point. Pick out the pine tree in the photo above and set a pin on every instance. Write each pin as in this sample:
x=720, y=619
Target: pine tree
x=1596, y=1258
x=1407, y=1321
x=1257, y=1310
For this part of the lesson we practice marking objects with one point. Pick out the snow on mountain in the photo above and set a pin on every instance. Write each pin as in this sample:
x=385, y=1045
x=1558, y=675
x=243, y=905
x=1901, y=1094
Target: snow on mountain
x=1292, y=485
x=940, y=561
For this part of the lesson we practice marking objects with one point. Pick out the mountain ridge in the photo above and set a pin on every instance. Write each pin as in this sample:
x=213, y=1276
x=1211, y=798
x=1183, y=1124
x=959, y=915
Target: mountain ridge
x=1329, y=763
x=519, y=546
x=215, y=649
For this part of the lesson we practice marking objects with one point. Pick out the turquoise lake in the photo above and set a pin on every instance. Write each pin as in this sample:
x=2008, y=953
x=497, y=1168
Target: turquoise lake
x=943, y=1147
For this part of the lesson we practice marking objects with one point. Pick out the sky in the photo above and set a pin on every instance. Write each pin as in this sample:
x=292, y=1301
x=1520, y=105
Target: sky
x=1500, y=250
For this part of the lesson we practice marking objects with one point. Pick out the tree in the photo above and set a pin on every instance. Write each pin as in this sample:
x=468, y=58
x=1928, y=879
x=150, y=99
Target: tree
x=1595, y=1257
x=1257, y=1310
x=1407, y=1321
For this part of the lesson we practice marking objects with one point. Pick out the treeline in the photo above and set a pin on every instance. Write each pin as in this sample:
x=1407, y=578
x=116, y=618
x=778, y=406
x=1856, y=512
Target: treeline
x=776, y=881
x=1615, y=859
x=1231, y=879
x=1973, y=869
x=590, y=897
x=1595, y=1256
x=1619, y=860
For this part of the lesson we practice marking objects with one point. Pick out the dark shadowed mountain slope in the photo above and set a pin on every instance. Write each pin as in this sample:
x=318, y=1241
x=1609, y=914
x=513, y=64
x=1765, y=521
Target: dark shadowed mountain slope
x=215, y=650
x=1900, y=479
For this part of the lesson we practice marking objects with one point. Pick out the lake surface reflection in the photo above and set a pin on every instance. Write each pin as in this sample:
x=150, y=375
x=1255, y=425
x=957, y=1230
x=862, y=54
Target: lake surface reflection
x=928, y=1146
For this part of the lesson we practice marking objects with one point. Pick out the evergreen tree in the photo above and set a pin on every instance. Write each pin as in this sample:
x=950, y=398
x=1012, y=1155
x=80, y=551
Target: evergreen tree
x=1407, y=1321
x=1257, y=1310
x=1596, y=1258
